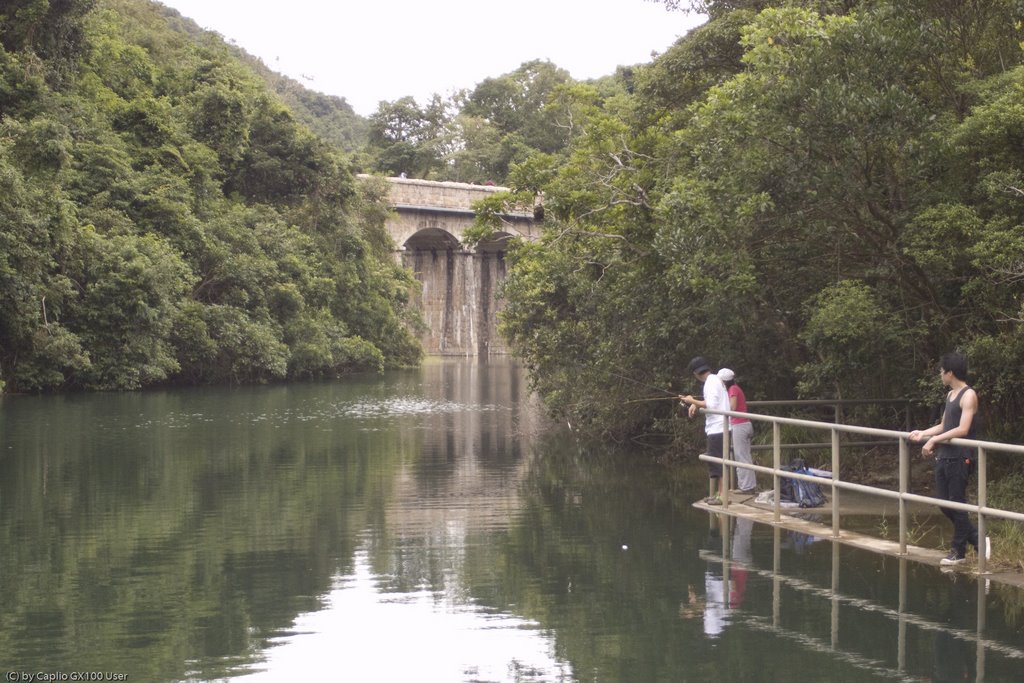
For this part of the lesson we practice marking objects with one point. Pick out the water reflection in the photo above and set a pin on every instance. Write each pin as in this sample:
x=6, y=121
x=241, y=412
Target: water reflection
x=180, y=534
x=428, y=526
x=944, y=614
x=366, y=632
x=955, y=658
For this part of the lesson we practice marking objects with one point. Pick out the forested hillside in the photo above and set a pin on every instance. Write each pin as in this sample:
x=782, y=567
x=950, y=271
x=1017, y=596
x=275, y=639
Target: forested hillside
x=165, y=217
x=824, y=196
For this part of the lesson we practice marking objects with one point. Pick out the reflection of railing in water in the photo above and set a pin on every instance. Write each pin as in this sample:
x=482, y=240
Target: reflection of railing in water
x=859, y=661
x=899, y=615
x=886, y=435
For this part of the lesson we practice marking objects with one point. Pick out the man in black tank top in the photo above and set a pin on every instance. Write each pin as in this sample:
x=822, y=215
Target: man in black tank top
x=953, y=464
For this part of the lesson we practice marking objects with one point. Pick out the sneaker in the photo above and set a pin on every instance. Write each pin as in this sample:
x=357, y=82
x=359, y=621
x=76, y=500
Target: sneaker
x=952, y=558
x=713, y=500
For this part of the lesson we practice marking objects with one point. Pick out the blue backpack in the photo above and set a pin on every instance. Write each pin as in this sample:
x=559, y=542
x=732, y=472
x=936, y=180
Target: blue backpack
x=806, y=494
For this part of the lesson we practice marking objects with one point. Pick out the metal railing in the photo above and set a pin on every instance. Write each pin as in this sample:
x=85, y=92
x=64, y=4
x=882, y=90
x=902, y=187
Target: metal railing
x=982, y=508
x=838, y=405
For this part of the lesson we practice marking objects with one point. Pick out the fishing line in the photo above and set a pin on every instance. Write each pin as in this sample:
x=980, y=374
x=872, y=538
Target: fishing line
x=643, y=384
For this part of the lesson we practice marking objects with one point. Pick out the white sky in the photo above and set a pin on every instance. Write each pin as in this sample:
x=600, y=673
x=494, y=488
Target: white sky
x=372, y=50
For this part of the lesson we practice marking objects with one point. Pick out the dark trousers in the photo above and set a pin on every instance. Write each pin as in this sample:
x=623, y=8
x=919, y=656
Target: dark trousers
x=716, y=448
x=951, y=475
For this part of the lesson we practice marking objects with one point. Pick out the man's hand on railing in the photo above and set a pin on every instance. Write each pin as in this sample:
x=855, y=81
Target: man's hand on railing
x=918, y=437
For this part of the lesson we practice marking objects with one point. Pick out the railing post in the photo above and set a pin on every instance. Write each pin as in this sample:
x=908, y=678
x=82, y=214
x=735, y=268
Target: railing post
x=835, y=478
x=982, y=502
x=904, y=477
x=776, y=465
x=776, y=576
x=901, y=635
x=835, y=595
x=726, y=469
x=979, y=664
x=725, y=528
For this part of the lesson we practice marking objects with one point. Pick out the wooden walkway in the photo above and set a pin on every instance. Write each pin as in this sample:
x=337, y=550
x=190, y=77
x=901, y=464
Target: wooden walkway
x=851, y=504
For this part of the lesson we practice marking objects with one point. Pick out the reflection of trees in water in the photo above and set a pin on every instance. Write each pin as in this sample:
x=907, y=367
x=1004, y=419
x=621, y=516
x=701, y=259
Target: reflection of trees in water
x=190, y=525
x=194, y=526
x=564, y=566
x=176, y=525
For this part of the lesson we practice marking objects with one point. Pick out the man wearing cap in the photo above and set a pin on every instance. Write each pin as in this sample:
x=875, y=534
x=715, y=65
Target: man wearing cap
x=715, y=398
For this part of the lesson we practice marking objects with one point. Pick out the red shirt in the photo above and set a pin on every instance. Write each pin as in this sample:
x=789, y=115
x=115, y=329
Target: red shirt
x=741, y=404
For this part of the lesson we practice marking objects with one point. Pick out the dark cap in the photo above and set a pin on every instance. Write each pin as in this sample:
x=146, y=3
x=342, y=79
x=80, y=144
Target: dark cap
x=698, y=365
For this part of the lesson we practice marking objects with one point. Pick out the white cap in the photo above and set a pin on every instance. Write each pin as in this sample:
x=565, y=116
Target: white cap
x=726, y=375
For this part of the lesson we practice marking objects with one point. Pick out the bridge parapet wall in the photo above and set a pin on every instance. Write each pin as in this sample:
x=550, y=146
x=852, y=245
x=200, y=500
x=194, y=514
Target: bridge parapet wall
x=409, y=192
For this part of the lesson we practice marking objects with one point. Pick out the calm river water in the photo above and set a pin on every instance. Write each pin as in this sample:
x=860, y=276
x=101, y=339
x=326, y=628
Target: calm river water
x=427, y=525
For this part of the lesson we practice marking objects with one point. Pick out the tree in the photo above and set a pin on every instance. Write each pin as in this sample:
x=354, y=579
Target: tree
x=850, y=337
x=402, y=134
x=813, y=201
x=129, y=290
x=51, y=29
x=165, y=218
x=37, y=349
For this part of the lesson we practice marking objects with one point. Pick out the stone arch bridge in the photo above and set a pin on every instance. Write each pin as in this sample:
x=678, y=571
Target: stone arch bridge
x=457, y=299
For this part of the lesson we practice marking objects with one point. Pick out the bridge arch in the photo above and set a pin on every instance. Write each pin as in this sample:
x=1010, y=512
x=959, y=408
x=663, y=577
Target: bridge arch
x=431, y=239
x=435, y=238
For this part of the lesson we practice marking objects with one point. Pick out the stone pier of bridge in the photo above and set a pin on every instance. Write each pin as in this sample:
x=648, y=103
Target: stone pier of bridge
x=458, y=296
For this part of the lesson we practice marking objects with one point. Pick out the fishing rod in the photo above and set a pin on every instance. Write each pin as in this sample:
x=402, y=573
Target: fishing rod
x=670, y=394
x=644, y=384
x=673, y=397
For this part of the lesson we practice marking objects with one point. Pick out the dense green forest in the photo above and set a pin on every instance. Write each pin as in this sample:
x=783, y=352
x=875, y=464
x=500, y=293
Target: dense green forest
x=166, y=215
x=822, y=195
x=173, y=211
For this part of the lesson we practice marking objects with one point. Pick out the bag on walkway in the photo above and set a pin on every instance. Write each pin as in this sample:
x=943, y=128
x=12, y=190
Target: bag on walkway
x=806, y=494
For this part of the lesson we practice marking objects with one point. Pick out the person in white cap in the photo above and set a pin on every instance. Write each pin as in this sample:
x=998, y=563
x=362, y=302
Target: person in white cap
x=742, y=432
